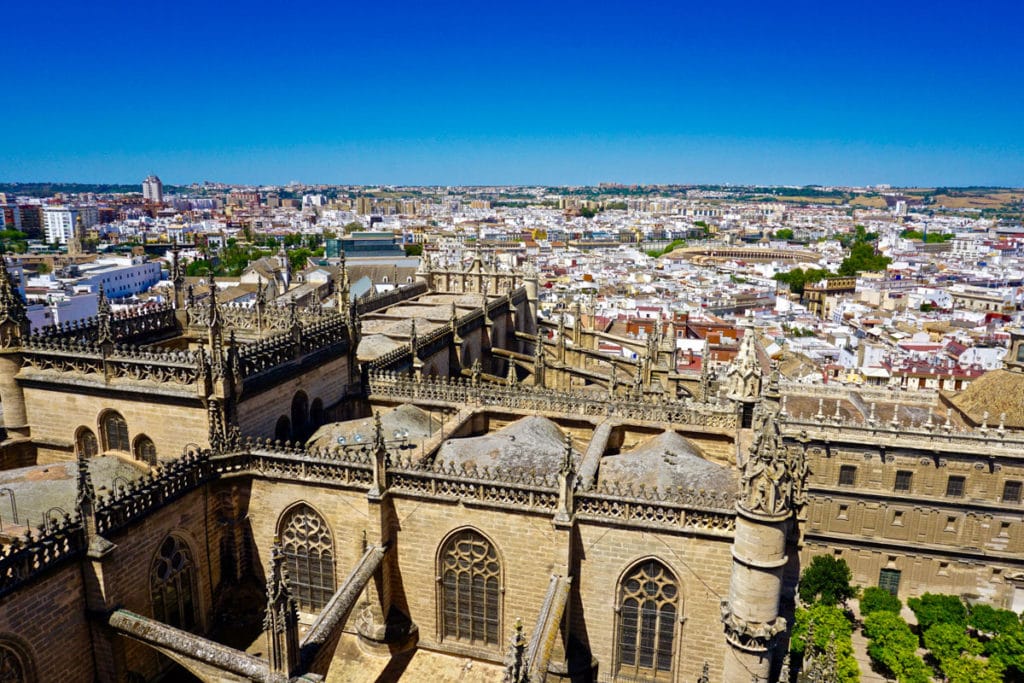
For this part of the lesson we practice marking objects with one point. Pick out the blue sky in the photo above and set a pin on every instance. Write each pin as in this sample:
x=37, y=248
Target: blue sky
x=514, y=92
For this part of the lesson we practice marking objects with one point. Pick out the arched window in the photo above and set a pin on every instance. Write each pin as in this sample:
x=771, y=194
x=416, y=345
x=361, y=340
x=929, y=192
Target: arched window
x=470, y=589
x=172, y=585
x=145, y=450
x=316, y=414
x=115, y=432
x=300, y=416
x=308, y=549
x=15, y=665
x=648, y=612
x=85, y=443
x=283, y=429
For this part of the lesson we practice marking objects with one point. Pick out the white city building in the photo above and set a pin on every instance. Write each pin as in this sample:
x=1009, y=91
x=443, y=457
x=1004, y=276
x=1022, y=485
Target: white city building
x=153, y=190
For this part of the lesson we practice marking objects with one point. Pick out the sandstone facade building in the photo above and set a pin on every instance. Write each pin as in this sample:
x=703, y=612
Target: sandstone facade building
x=434, y=484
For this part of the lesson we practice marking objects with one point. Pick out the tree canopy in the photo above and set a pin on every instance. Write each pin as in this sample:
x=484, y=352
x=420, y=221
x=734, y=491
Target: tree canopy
x=827, y=580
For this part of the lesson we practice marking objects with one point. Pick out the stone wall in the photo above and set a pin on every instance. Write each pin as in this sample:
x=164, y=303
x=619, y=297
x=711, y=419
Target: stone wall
x=258, y=412
x=125, y=572
x=702, y=568
x=48, y=620
x=56, y=414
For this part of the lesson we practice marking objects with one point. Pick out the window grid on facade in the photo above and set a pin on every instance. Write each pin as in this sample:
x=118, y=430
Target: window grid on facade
x=648, y=611
x=847, y=475
x=308, y=549
x=889, y=579
x=172, y=585
x=903, y=479
x=87, y=446
x=1011, y=492
x=115, y=432
x=955, y=487
x=471, y=589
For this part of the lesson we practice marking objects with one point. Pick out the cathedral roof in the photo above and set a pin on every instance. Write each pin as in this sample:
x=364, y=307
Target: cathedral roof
x=996, y=392
x=41, y=488
x=666, y=461
x=533, y=444
x=408, y=421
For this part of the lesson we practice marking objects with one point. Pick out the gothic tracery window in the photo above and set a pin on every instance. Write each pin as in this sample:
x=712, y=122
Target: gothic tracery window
x=85, y=442
x=470, y=589
x=309, y=552
x=15, y=667
x=115, y=432
x=172, y=585
x=648, y=612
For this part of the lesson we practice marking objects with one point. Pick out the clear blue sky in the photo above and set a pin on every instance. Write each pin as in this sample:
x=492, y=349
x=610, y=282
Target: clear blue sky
x=514, y=92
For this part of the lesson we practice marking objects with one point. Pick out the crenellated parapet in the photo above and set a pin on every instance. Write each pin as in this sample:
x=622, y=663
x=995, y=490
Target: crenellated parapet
x=129, y=325
x=395, y=387
x=59, y=356
x=36, y=552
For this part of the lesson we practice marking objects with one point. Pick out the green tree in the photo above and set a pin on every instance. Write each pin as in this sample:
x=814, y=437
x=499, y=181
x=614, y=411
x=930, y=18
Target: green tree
x=829, y=621
x=354, y=226
x=197, y=267
x=875, y=599
x=988, y=619
x=414, y=250
x=784, y=234
x=948, y=642
x=932, y=608
x=967, y=669
x=863, y=258
x=827, y=580
x=894, y=646
x=1006, y=651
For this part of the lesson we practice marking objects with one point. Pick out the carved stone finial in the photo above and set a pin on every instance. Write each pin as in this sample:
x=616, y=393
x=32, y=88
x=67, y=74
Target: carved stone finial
x=12, y=306
x=705, y=674
x=281, y=618
x=784, y=674
x=380, y=458
x=516, y=666
x=104, y=335
x=772, y=480
x=85, y=499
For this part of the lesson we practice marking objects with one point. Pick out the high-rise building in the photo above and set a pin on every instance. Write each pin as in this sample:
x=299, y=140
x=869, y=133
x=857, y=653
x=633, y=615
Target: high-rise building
x=59, y=221
x=153, y=190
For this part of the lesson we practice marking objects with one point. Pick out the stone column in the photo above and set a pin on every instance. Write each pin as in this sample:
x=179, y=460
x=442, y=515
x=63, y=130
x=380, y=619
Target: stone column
x=750, y=615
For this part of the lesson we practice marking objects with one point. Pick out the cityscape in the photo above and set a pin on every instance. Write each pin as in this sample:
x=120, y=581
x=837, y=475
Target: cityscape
x=532, y=343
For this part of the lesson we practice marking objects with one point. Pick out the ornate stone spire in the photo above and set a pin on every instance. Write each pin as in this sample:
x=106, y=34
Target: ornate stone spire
x=743, y=379
x=380, y=458
x=12, y=306
x=566, y=483
x=516, y=666
x=177, y=276
x=539, y=361
x=104, y=335
x=512, y=379
x=281, y=619
x=85, y=499
x=772, y=478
